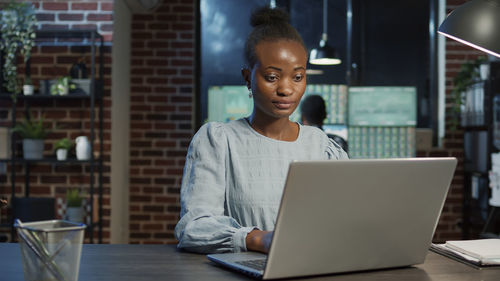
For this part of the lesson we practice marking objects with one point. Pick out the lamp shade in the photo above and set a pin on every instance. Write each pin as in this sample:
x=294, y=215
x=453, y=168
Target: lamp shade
x=324, y=55
x=475, y=23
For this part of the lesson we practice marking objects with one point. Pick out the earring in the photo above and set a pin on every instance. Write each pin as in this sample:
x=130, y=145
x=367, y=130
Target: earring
x=250, y=94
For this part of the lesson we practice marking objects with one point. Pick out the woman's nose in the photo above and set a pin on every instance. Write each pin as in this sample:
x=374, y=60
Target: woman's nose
x=285, y=88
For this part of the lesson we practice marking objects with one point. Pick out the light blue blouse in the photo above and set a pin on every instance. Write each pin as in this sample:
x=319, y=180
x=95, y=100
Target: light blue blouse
x=233, y=181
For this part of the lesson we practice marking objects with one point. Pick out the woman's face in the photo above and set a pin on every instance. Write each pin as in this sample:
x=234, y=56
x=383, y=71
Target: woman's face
x=278, y=78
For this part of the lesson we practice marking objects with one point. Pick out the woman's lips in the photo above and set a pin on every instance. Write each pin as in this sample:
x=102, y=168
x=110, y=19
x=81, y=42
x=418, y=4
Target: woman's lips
x=283, y=104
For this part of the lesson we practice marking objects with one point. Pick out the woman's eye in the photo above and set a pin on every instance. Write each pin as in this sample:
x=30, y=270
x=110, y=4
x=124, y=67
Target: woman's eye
x=271, y=78
x=298, y=77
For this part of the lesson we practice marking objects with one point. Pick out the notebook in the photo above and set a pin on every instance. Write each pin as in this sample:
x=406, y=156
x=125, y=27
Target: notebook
x=352, y=215
x=478, y=253
x=483, y=249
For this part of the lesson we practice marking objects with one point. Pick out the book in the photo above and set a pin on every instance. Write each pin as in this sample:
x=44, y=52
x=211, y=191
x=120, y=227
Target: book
x=482, y=249
x=474, y=261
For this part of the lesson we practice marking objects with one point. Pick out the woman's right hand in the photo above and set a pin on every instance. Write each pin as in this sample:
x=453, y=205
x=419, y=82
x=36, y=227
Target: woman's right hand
x=258, y=240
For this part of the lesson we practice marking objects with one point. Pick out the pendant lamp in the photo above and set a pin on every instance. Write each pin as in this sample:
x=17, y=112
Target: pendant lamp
x=475, y=23
x=324, y=55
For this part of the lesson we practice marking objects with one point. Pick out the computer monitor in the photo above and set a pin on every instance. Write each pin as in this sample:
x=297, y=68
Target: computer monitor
x=226, y=103
x=335, y=97
x=336, y=129
x=382, y=106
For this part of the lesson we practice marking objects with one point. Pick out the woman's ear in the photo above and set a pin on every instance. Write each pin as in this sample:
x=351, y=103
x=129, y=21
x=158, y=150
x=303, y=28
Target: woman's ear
x=245, y=72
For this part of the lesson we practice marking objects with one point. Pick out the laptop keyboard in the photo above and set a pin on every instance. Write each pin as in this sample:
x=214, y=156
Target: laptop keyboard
x=258, y=264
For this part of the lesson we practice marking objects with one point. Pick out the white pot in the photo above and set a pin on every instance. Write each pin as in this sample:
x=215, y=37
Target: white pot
x=62, y=154
x=32, y=149
x=63, y=90
x=28, y=90
x=74, y=214
x=82, y=148
x=484, y=71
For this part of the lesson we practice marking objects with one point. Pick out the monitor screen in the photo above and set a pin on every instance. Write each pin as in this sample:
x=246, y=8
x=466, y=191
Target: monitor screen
x=382, y=106
x=335, y=97
x=336, y=129
x=226, y=103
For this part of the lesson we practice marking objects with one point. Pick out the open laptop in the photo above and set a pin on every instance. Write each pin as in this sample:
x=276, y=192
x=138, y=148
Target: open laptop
x=352, y=215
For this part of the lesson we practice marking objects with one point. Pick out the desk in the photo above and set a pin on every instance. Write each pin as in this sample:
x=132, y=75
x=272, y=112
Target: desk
x=164, y=262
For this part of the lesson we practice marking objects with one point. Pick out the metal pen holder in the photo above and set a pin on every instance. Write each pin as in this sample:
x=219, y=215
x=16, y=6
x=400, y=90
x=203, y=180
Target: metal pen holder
x=50, y=250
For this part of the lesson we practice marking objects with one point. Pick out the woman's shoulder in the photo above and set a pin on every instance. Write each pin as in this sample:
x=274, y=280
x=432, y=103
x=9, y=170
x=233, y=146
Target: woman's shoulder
x=217, y=130
x=210, y=129
x=313, y=132
x=316, y=136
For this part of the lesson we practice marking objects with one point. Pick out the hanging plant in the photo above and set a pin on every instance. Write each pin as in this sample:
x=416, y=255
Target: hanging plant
x=18, y=23
x=468, y=75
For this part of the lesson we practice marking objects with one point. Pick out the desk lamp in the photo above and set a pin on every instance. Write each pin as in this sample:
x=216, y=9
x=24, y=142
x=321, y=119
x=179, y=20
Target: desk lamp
x=475, y=23
x=324, y=55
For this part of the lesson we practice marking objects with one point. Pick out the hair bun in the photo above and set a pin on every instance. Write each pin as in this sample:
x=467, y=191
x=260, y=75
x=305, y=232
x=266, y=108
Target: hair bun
x=267, y=16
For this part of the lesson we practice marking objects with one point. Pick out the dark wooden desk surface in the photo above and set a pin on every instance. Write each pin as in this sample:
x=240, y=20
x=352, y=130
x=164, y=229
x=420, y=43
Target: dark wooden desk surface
x=164, y=262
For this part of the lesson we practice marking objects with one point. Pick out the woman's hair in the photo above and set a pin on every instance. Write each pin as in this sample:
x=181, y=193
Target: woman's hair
x=313, y=109
x=269, y=25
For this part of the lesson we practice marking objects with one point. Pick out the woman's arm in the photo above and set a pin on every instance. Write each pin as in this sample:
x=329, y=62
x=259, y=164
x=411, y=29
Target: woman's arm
x=204, y=227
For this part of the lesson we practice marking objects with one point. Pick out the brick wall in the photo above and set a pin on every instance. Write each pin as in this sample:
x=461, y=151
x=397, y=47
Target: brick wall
x=162, y=95
x=76, y=14
x=66, y=118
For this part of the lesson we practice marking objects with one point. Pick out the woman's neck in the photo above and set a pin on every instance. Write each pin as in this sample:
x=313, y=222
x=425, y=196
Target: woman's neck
x=279, y=129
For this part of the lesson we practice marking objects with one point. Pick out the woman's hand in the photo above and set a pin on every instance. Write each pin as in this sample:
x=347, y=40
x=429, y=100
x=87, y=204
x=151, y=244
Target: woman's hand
x=258, y=240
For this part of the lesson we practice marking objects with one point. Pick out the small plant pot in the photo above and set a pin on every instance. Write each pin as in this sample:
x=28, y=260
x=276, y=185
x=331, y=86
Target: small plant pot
x=74, y=214
x=62, y=90
x=28, y=90
x=32, y=149
x=61, y=154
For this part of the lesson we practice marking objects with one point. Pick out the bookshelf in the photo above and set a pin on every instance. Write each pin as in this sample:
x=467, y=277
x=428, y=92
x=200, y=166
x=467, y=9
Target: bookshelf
x=94, y=166
x=478, y=112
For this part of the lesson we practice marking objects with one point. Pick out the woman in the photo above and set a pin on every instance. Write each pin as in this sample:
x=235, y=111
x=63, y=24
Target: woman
x=235, y=172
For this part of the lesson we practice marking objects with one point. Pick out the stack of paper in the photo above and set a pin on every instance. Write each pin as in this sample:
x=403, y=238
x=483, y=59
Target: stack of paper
x=479, y=252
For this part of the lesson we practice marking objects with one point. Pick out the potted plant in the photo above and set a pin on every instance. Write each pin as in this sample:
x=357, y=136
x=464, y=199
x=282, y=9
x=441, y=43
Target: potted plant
x=74, y=205
x=62, y=86
x=62, y=147
x=17, y=26
x=469, y=74
x=28, y=88
x=33, y=134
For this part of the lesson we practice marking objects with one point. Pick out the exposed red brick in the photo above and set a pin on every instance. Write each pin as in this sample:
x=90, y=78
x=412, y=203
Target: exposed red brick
x=42, y=60
x=55, y=26
x=107, y=27
x=70, y=17
x=182, y=9
x=152, y=226
x=107, y=37
x=182, y=26
x=55, y=6
x=141, y=35
x=100, y=17
x=142, y=17
x=106, y=6
x=84, y=6
x=166, y=35
x=45, y=17
x=84, y=26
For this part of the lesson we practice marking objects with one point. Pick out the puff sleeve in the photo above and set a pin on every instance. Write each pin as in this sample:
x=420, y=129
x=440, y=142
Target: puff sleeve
x=204, y=227
x=335, y=151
